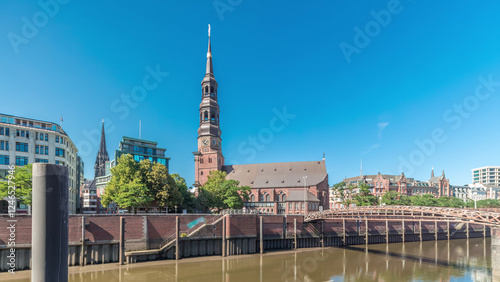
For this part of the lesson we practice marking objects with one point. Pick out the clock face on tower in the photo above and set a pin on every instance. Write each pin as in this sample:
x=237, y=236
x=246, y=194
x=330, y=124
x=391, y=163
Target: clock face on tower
x=205, y=141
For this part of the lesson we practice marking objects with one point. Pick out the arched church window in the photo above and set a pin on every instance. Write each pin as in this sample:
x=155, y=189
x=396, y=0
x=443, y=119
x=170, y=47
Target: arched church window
x=252, y=199
x=284, y=198
x=206, y=115
x=212, y=89
x=268, y=198
x=262, y=197
x=201, y=160
x=206, y=89
x=201, y=173
x=210, y=160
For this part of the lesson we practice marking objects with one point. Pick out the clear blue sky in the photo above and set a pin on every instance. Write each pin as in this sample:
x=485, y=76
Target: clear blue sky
x=373, y=100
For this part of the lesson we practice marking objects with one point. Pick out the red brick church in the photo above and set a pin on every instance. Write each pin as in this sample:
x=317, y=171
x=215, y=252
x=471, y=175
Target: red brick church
x=276, y=188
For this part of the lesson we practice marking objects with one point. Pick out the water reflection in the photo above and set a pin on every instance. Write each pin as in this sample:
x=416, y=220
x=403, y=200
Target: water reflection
x=428, y=261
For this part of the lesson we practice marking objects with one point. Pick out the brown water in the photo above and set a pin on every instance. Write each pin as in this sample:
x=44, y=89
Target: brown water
x=456, y=260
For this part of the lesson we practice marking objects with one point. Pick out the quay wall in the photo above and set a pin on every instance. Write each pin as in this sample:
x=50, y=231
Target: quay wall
x=204, y=235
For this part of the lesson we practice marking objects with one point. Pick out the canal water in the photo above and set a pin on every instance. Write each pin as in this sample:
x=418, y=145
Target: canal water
x=454, y=260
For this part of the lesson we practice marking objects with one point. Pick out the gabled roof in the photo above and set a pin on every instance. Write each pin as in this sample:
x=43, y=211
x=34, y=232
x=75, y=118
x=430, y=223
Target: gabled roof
x=298, y=196
x=276, y=175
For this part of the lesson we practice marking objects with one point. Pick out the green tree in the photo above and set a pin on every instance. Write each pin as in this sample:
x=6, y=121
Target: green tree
x=188, y=200
x=391, y=198
x=364, y=197
x=23, y=180
x=426, y=200
x=127, y=187
x=161, y=184
x=451, y=202
x=344, y=192
x=219, y=193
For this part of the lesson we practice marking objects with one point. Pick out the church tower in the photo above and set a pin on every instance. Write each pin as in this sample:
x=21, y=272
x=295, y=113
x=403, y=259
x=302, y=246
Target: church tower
x=102, y=156
x=209, y=155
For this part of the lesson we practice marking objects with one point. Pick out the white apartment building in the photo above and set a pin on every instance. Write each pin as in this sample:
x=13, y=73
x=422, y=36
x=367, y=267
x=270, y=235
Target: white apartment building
x=25, y=140
x=486, y=175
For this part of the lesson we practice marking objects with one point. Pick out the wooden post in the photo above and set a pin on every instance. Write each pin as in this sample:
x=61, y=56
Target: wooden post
x=366, y=230
x=261, y=236
x=82, y=253
x=403, y=228
x=122, y=240
x=322, y=236
x=295, y=233
x=177, y=239
x=435, y=229
x=484, y=231
x=420, y=229
x=343, y=231
x=387, y=231
x=467, y=230
x=448, y=231
x=224, y=236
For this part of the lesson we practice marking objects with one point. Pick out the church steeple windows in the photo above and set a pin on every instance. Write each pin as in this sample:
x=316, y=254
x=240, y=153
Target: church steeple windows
x=209, y=155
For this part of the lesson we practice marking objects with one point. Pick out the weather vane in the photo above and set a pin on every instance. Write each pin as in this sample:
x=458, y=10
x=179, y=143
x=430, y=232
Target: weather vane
x=208, y=30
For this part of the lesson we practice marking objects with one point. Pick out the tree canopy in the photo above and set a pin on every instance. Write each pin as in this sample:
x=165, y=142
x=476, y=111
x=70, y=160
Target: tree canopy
x=135, y=184
x=23, y=180
x=219, y=193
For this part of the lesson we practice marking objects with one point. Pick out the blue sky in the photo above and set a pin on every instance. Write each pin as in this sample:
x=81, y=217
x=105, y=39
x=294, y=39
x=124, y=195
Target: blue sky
x=399, y=92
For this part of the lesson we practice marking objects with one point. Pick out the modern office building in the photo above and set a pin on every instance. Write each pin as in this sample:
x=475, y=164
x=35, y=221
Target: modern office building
x=142, y=149
x=486, y=175
x=26, y=140
x=80, y=178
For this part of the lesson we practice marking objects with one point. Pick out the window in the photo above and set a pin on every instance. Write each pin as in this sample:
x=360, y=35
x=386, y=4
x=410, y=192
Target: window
x=46, y=137
x=21, y=147
x=57, y=139
x=284, y=198
x=20, y=161
x=268, y=198
x=4, y=159
x=1, y=131
x=60, y=152
x=4, y=145
x=262, y=197
x=41, y=161
x=252, y=199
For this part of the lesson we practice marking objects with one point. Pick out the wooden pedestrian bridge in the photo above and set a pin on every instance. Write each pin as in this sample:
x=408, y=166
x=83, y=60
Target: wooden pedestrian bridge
x=414, y=212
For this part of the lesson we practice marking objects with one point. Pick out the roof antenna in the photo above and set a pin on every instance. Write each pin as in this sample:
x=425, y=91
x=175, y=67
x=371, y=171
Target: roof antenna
x=361, y=171
x=140, y=129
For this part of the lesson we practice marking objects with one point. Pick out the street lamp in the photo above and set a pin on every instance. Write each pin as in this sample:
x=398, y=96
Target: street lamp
x=175, y=209
x=305, y=193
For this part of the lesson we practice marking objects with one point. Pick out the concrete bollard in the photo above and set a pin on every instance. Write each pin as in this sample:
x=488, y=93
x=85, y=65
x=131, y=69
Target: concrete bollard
x=49, y=223
x=495, y=253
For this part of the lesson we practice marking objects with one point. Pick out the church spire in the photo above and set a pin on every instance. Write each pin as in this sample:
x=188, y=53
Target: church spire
x=102, y=156
x=432, y=173
x=210, y=68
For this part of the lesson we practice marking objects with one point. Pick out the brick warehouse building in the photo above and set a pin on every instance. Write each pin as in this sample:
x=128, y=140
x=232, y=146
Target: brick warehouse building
x=382, y=183
x=276, y=188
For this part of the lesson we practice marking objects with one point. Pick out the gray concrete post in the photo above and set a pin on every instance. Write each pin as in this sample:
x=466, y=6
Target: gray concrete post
x=49, y=223
x=495, y=253
x=343, y=232
x=403, y=229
